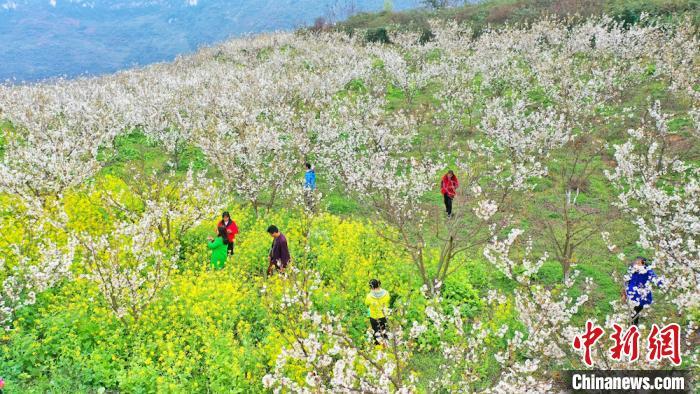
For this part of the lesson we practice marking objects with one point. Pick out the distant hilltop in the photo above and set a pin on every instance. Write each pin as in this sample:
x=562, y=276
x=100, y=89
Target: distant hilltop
x=495, y=12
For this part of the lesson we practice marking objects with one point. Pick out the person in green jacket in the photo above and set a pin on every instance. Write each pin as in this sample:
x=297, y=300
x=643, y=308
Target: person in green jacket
x=219, y=249
x=377, y=302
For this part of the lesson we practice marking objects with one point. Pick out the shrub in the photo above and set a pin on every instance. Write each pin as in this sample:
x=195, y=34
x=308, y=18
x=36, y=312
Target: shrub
x=379, y=35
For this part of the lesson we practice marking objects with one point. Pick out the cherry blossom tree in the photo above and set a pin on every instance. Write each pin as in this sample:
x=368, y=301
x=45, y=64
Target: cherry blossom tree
x=133, y=261
x=409, y=67
x=50, y=146
x=660, y=192
x=29, y=276
x=330, y=358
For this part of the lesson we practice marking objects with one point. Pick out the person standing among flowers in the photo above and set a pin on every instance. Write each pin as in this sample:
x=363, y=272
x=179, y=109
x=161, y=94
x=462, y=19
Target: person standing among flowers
x=309, y=177
x=231, y=230
x=638, y=282
x=279, y=252
x=448, y=188
x=377, y=302
x=218, y=249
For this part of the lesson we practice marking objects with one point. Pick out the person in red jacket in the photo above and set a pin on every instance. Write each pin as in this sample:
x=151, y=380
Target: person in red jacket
x=448, y=188
x=231, y=230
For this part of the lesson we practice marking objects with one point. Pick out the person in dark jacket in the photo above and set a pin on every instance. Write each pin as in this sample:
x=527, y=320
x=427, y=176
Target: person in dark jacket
x=279, y=252
x=638, y=282
x=218, y=248
x=448, y=188
x=231, y=230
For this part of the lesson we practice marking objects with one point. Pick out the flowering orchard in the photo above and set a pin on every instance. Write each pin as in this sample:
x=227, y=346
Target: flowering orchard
x=575, y=146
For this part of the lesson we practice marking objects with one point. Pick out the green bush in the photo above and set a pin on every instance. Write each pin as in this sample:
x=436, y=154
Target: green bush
x=379, y=35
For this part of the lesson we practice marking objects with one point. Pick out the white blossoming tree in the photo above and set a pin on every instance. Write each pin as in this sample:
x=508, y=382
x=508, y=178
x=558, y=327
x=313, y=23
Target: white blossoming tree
x=661, y=192
x=133, y=259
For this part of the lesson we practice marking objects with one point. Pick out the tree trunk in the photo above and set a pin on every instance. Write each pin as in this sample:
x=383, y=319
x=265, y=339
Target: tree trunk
x=566, y=267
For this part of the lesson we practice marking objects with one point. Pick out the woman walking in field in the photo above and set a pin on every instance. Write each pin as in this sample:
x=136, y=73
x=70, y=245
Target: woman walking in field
x=638, y=286
x=219, y=248
x=377, y=302
x=231, y=230
x=448, y=188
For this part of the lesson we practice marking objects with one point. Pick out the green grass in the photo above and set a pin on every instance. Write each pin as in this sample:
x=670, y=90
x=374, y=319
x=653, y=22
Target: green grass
x=136, y=149
x=340, y=204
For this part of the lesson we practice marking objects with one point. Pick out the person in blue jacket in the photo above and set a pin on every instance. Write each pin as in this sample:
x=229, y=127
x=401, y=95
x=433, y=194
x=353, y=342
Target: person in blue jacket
x=309, y=178
x=638, y=286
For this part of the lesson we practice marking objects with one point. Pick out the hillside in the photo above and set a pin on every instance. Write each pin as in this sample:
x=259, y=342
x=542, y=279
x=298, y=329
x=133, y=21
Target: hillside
x=575, y=147
x=481, y=14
